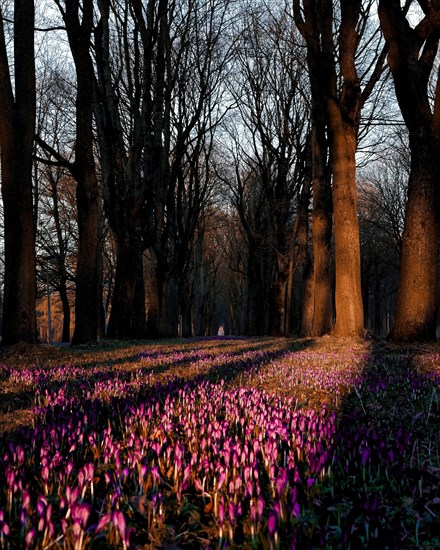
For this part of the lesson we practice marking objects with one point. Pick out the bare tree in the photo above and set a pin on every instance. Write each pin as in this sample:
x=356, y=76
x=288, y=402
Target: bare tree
x=54, y=186
x=343, y=79
x=158, y=107
x=17, y=112
x=413, y=48
x=270, y=93
x=79, y=23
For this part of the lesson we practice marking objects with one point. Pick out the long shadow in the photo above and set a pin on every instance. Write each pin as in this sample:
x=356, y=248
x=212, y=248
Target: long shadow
x=171, y=362
x=200, y=364
x=154, y=349
x=383, y=489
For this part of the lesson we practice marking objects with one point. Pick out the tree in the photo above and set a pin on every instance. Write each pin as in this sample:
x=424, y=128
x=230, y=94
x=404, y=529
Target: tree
x=54, y=186
x=136, y=99
x=270, y=94
x=78, y=20
x=413, y=49
x=340, y=91
x=17, y=112
x=198, y=53
x=319, y=318
x=57, y=238
x=158, y=107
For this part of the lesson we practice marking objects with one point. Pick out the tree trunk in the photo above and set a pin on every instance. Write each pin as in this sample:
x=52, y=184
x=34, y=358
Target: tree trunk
x=65, y=337
x=16, y=142
x=348, y=296
x=186, y=299
x=278, y=301
x=127, y=318
x=304, y=261
x=321, y=233
x=86, y=296
x=152, y=297
x=19, y=321
x=308, y=302
x=169, y=306
x=258, y=296
x=412, y=55
x=79, y=26
x=289, y=293
x=366, y=296
x=417, y=297
x=377, y=303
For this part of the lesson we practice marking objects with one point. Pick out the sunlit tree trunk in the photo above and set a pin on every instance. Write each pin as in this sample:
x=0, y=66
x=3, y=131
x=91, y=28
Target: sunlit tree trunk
x=17, y=131
x=411, y=57
x=348, y=296
x=321, y=270
x=336, y=86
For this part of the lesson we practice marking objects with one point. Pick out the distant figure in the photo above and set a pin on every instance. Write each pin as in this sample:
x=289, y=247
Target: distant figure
x=221, y=331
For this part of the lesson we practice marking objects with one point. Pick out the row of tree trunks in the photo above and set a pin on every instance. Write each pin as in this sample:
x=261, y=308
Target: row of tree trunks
x=337, y=100
x=338, y=96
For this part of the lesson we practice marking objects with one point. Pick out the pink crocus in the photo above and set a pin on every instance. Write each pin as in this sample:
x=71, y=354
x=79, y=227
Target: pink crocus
x=29, y=539
x=103, y=522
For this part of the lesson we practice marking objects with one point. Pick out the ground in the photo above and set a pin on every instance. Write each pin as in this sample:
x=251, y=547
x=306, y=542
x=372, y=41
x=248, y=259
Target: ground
x=16, y=404
x=345, y=434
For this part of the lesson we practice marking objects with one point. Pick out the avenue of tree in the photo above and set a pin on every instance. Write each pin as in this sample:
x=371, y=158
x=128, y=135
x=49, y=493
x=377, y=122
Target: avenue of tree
x=180, y=166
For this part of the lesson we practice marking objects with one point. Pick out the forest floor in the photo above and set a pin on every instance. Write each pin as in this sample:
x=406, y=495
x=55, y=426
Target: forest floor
x=358, y=465
x=16, y=405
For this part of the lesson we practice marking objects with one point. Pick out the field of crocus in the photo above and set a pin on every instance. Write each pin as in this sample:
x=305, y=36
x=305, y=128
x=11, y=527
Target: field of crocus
x=220, y=443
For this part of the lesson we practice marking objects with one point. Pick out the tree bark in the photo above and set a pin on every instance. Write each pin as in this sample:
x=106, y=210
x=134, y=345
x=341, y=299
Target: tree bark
x=311, y=28
x=278, y=297
x=127, y=318
x=412, y=52
x=321, y=230
x=79, y=26
x=348, y=296
x=417, y=298
x=304, y=260
x=169, y=305
x=16, y=143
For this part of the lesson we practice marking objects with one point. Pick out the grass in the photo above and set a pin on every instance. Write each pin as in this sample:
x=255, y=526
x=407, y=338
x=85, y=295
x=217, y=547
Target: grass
x=251, y=443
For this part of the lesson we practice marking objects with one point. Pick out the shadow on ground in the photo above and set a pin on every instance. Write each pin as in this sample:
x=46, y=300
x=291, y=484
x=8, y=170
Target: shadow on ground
x=383, y=487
